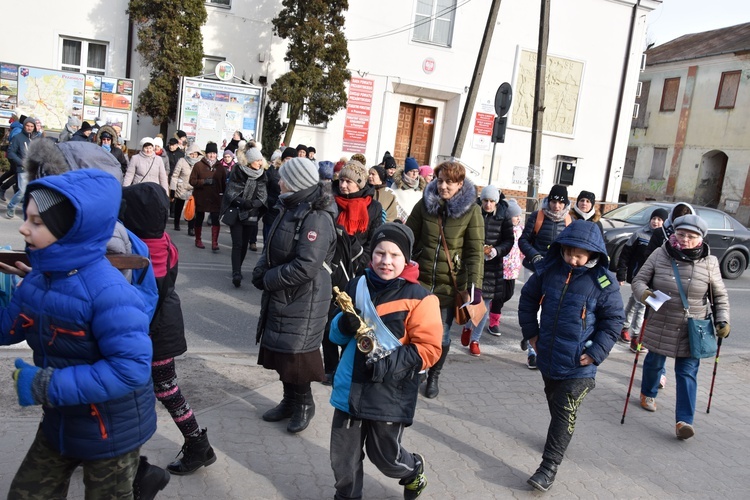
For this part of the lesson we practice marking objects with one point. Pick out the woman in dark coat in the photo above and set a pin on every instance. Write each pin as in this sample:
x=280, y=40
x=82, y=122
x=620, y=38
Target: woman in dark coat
x=242, y=205
x=292, y=272
x=208, y=179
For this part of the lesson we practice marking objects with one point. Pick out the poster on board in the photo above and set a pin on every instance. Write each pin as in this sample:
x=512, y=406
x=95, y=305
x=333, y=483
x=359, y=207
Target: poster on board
x=212, y=111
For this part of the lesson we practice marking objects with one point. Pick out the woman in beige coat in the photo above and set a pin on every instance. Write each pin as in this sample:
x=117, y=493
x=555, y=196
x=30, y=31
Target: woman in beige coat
x=146, y=167
x=665, y=332
x=181, y=186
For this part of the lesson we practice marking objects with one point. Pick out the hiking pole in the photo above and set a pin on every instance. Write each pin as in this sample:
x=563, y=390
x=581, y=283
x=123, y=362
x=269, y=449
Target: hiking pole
x=635, y=365
x=713, y=378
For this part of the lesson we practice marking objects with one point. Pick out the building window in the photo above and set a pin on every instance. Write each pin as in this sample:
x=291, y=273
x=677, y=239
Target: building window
x=630, y=158
x=730, y=82
x=658, y=162
x=83, y=56
x=209, y=66
x=639, y=119
x=220, y=3
x=669, y=94
x=433, y=21
x=302, y=119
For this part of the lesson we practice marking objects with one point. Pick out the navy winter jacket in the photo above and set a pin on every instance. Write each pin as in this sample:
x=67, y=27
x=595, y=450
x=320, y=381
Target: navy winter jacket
x=578, y=304
x=534, y=243
x=81, y=317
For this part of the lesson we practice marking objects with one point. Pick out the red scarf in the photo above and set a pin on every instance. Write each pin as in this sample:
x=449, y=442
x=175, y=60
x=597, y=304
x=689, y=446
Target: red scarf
x=353, y=214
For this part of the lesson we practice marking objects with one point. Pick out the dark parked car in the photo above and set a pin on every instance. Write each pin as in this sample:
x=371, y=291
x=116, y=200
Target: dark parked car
x=729, y=239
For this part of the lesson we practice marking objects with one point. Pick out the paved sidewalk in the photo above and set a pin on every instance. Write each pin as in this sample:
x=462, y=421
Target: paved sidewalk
x=482, y=437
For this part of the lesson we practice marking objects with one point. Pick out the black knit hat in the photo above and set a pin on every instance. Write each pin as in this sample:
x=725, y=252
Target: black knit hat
x=85, y=126
x=661, y=213
x=588, y=195
x=288, y=153
x=211, y=147
x=389, y=162
x=56, y=211
x=395, y=232
x=558, y=193
x=381, y=173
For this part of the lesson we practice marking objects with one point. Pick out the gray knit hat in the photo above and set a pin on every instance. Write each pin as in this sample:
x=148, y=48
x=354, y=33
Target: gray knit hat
x=55, y=209
x=298, y=174
x=253, y=154
x=490, y=193
x=513, y=208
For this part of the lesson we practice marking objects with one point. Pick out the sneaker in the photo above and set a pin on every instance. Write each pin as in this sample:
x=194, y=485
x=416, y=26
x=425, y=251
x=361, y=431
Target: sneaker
x=625, y=335
x=494, y=330
x=531, y=362
x=253, y=247
x=524, y=345
x=474, y=348
x=634, y=346
x=10, y=214
x=416, y=486
x=663, y=382
x=647, y=403
x=328, y=379
x=684, y=430
x=465, y=336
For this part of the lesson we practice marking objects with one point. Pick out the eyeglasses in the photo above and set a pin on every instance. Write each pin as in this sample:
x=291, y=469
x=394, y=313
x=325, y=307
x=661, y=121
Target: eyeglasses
x=106, y=139
x=686, y=236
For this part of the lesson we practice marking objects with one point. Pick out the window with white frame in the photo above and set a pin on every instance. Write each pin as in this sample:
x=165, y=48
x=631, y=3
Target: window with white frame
x=433, y=21
x=83, y=56
x=302, y=118
x=220, y=3
x=209, y=66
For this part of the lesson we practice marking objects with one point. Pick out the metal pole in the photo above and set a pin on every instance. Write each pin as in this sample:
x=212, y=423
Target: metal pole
x=537, y=124
x=492, y=163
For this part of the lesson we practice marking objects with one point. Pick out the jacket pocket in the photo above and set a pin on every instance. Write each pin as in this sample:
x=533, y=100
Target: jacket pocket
x=99, y=420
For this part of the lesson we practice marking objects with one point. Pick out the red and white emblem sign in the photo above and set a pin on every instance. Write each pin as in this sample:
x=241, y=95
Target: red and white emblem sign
x=312, y=236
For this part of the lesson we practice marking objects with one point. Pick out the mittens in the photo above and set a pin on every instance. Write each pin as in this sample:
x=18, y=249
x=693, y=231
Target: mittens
x=722, y=329
x=477, y=296
x=237, y=202
x=32, y=383
x=348, y=323
x=538, y=262
x=208, y=182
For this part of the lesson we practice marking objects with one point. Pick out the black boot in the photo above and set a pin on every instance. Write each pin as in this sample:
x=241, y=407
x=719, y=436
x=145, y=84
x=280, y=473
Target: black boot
x=304, y=411
x=283, y=410
x=237, y=279
x=149, y=480
x=196, y=453
x=544, y=476
x=431, y=390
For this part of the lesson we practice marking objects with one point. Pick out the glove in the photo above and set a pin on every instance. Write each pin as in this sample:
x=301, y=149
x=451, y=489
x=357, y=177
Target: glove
x=257, y=279
x=237, y=202
x=538, y=262
x=208, y=182
x=722, y=329
x=256, y=204
x=348, y=323
x=24, y=377
x=477, y=296
x=648, y=293
x=491, y=254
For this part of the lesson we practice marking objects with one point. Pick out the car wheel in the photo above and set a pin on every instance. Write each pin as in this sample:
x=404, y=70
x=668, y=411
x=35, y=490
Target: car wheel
x=616, y=257
x=733, y=265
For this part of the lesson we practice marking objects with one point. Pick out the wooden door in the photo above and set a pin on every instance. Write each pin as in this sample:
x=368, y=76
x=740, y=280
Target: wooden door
x=416, y=125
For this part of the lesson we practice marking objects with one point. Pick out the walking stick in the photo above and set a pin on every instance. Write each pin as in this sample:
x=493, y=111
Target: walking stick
x=635, y=364
x=713, y=378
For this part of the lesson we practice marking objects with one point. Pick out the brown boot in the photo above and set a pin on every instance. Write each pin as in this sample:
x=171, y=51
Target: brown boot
x=215, y=230
x=198, y=231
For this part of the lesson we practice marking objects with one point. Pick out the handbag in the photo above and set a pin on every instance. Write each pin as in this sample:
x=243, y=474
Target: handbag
x=188, y=212
x=462, y=313
x=701, y=332
x=231, y=216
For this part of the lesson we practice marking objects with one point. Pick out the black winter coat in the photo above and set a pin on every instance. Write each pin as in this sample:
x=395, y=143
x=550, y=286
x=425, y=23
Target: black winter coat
x=498, y=233
x=249, y=194
x=376, y=216
x=531, y=243
x=272, y=188
x=292, y=273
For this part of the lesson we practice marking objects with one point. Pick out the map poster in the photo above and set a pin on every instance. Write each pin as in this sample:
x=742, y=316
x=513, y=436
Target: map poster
x=212, y=111
x=48, y=95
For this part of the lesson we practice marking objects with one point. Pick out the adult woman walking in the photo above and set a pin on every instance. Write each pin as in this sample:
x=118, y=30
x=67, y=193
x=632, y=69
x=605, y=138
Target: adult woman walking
x=146, y=167
x=208, y=179
x=408, y=186
x=181, y=187
x=666, y=330
x=242, y=205
x=382, y=193
x=296, y=290
x=448, y=215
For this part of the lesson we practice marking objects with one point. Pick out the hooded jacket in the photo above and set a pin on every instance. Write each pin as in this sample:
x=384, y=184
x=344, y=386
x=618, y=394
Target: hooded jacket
x=663, y=234
x=144, y=168
x=534, y=243
x=81, y=317
x=293, y=273
x=114, y=150
x=578, y=304
x=407, y=197
x=464, y=232
x=412, y=315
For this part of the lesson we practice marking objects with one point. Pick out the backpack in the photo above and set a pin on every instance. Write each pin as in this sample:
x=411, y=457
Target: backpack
x=144, y=279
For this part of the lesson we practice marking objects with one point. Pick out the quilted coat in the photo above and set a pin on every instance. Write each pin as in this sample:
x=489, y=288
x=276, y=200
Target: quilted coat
x=81, y=317
x=666, y=329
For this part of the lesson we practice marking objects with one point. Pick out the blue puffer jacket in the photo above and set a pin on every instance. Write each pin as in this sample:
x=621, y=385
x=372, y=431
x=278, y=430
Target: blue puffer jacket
x=80, y=316
x=578, y=304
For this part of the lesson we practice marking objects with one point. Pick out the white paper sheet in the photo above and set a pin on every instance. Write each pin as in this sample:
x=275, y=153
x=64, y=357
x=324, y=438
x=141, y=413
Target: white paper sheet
x=657, y=300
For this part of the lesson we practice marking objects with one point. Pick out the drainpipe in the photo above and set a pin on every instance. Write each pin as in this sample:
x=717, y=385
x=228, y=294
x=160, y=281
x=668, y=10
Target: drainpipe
x=618, y=111
x=382, y=116
x=129, y=55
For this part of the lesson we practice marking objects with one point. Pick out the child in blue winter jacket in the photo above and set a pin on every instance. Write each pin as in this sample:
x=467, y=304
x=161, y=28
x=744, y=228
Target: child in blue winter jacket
x=375, y=401
x=579, y=323
x=88, y=331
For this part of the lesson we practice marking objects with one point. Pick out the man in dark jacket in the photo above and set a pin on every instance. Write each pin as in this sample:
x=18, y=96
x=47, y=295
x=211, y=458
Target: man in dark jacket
x=17, y=150
x=83, y=134
x=580, y=319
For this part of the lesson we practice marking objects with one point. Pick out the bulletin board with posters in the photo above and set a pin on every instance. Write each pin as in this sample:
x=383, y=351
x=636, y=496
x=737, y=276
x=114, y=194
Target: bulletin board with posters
x=211, y=110
x=52, y=96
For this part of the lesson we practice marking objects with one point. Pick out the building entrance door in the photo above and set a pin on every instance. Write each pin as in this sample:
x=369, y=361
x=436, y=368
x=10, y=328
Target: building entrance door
x=710, y=179
x=416, y=125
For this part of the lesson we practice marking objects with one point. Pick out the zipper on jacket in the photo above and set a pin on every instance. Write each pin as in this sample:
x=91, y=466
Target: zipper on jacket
x=435, y=261
x=583, y=317
x=96, y=414
x=64, y=331
x=557, y=314
x=27, y=323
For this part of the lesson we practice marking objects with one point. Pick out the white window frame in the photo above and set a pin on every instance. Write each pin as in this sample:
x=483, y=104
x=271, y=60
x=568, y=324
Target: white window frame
x=638, y=89
x=434, y=15
x=82, y=66
x=226, y=4
x=301, y=119
x=636, y=109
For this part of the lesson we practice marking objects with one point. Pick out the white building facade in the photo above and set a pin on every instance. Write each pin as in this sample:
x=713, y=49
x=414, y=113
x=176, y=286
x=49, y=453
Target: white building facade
x=412, y=64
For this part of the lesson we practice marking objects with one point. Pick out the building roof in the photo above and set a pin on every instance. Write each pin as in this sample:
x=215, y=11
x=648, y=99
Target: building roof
x=730, y=40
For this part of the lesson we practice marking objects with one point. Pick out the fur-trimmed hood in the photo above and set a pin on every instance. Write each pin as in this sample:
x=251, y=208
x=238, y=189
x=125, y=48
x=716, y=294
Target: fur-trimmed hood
x=457, y=206
x=47, y=158
x=398, y=181
x=107, y=128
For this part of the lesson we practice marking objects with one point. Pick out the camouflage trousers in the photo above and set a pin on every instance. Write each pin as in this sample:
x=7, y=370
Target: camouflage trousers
x=564, y=398
x=45, y=474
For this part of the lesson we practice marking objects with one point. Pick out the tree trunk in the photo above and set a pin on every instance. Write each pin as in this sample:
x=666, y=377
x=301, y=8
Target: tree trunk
x=294, y=111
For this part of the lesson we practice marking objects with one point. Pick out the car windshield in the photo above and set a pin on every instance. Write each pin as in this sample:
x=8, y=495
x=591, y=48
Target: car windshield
x=637, y=213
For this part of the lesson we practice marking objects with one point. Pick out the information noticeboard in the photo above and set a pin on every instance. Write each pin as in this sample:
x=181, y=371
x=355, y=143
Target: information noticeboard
x=53, y=95
x=211, y=111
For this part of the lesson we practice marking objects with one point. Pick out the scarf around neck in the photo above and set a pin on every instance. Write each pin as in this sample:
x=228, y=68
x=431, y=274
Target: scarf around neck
x=251, y=173
x=353, y=215
x=556, y=216
x=412, y=183
x=584, y=215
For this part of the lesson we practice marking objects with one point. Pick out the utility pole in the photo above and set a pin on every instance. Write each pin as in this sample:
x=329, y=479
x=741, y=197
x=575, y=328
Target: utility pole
x=476, y=79
x=537, y=124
